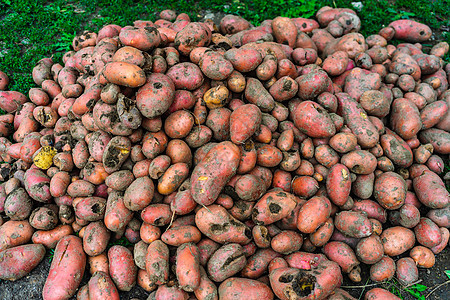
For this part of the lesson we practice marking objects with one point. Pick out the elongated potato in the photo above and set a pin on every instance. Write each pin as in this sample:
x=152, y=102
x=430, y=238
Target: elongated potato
x=18, y=261
x=66, y=270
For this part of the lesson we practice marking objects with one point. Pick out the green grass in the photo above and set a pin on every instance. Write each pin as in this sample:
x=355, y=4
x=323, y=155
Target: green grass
x=31, y=30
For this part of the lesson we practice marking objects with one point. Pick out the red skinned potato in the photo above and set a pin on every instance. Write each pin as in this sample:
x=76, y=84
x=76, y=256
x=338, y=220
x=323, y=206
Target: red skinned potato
x=428, y=233
x=338, y=184
x=244, y=288
x=342, y=254
x=353, y=223
x=273, y=206
x=292, y=283
x=379, y=294
x=155, y=96
x=66, y=270
x=122, y=269
x=243, y=60
x=188, y=267
x=102, y=287
x=383, y=269
x=390, y=190
x=397, y=240
x=226, y=262
x=18, y=261
x=430, y=190
x=244, y=122
x=217, y=224
x=411, y=31
x=191, y=36
x=406, y=271
x=313, y=120
x=123, y=73
x=15, y=233
x=50, y=238
x=284, y=31
x=313, y=214
x=139, y=194
x=186, y=75
x=144, y=39
x=213, y=172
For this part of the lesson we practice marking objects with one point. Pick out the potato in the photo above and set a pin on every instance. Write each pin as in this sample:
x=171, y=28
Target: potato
x=217, y=224
x=370, y=250
x=428, y=233
x=430, y=190
x=440, y=139
x=139, y=194
x=356, y=119
x=239, y=288
x=188, y=267
x=411, y=31
x=157, y=262
x=90, y=208
x=144, y=39
x=191, y=36
x=256, y=94
x=213, y=172
x=43, y=218
x=406, y=271
x=50, y=238
x=360, y=162
x=18, y=205
x=423, y=257
x=117, y=215
x=338, y=184
x=18, y=261
x=371, y=209
x=308, y=111
x=312, y=84
x=273, y=206
x=320, y=283
x=396, y=149
x=353, y=223
x=407, y=127
x=390, y=190
x=95, y=239
x=313, y=214
x=379, y=293
x=155, y=96
x=342, y=254
x=66, y=270
x=122, y=269
x=37, y=185
x=244, y=60
x=244, y=122
x=397, y=240
x=102, y=287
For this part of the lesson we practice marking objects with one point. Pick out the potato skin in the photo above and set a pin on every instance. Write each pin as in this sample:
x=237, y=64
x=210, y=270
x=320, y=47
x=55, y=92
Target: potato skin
x=15, y=233
x=406, y=271
x=155, y=96
x=18, y=261
x=427, y=233
x=379, y=293
x=430, y=190
x=66, y=270
x=397, y=240
x=102, y=287
x=313, y=120
x=338, y=184
x=50, y=238
x=244, y=122
x=411, y=31
x=212, y=173
x=273, y=206
x=157, y=262
x=353, y=223
x=188, y=267
x=244, y=288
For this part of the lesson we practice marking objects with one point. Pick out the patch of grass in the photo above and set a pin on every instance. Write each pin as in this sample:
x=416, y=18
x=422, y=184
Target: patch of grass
x=31, y=30
x=123, y=241
x=401, y=291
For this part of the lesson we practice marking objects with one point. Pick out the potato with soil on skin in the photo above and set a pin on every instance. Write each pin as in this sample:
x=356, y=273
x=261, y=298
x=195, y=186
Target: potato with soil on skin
x=360, y=162
x=155, y=96
x=193, y=35
x=90, y=208
x=213, y=172
x=95, y=239
x=50, y=238
x=43, y=218
x=139, y=194
x=353, y=223
x=406, y=127
x=226, y=262
x=313, y=120
x=17, y=262
x=428, y=233
x=186, y=75
x=342, y=254
x=430, y=190
x=370, y=250
x=244, y=288
x=313, y=214
x=292, y=283
x=273, y=206
x=15, y=233
x=256, y=94
x=122, y=269
x=379, y=293
x=406, y=271
x=390, y=190
x=217, y=224
x=313, y=84
x=249, y=187
x=397, y=240
x=172, y=178
x=356, y=119
x=287, y=242
x=37, y=185
x=338, y=184
x=177, y=235
x=157, y=262
x=244, y=60
x=244, y=122
x=423, y=257
x=18, y=205
x=411, y=31
x=188, y=267
x=144, y=39
x=66, y=270
x=102, y=287
x=120, y=180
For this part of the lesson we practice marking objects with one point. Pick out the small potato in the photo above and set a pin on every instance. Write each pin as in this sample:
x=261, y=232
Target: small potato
x=342, y=254
x=343, y=142
x=411, y=31
x=383, y=269
x=406, y=271
x=155, y=97
x=287, y=242
x=172, y=178
x=390, y=190
x=308, y=115
x=95, y=239
x=370, y=250
x=18, y=261
x=50, y=238
x=360, y=162
x=18, y=205
x=423, y=257
x=379, y=293
x=139, y=194
x=273, y=206
x=176, y=236
x=244, y=122
x=119, y=180
x=43, y=218
x=338, y=184
x=188, y=267
x=102, y=287
x=90, y=208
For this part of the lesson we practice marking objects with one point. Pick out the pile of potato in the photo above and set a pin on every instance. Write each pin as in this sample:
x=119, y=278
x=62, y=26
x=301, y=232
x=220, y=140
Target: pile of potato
x=241, y=162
